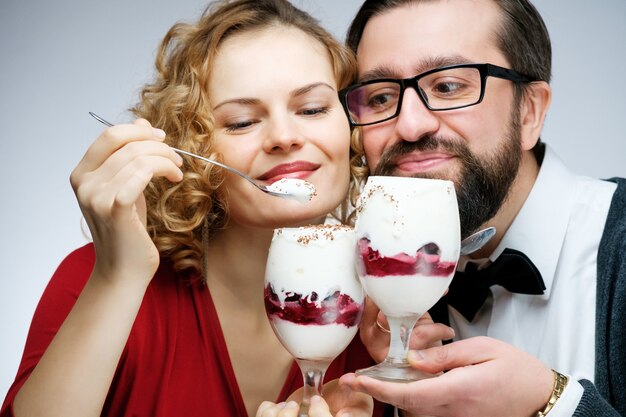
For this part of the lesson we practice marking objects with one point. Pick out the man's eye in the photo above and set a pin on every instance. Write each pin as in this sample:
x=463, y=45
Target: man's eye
x=378, y=100
x=447, y=88
x=382, y=100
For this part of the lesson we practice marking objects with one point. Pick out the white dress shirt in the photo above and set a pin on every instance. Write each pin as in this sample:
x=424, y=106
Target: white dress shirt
x=559, y=228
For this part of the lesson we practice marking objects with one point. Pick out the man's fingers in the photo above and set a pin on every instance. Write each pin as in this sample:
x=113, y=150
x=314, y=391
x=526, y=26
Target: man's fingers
x=429, y=334
x=454, y=355
x=423, y=396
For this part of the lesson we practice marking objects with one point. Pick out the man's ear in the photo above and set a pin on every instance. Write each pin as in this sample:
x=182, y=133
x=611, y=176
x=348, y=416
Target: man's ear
x=533, y=110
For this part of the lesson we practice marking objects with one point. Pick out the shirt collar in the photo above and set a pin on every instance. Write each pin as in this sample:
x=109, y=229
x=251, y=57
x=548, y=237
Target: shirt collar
x=539, y=228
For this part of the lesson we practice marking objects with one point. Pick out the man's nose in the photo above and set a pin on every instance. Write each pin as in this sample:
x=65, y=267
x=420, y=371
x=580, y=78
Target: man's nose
x=415, y=120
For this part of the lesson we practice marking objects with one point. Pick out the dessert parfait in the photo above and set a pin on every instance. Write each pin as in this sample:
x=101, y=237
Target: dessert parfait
x=313, y=297
x=408, y=235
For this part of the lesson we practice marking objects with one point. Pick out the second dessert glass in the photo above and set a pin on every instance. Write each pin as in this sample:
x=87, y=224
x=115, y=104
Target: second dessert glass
x=408, y=236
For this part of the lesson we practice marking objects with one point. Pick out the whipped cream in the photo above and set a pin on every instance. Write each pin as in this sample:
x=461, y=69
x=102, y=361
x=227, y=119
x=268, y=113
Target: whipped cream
x=323, y=343
x=407, y=295
x=400, y=215
x=318, y=258
x=294, y=188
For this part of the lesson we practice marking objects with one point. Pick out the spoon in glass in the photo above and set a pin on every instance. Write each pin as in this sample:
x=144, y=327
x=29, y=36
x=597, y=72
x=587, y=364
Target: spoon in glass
x=291, y=188
x=477, y=240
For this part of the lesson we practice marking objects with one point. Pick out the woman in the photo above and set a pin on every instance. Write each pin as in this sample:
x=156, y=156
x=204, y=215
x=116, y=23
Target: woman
x=162, y=315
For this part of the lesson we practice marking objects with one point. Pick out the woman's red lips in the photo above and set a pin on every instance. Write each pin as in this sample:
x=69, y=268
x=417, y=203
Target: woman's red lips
x=297, y=169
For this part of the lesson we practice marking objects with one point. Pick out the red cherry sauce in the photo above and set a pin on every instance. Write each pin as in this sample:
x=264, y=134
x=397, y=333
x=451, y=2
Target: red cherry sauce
x=335, y=308
x=426, y=261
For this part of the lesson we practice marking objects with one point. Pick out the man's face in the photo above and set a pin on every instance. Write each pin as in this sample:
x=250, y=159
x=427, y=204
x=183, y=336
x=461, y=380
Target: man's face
x=476, y=147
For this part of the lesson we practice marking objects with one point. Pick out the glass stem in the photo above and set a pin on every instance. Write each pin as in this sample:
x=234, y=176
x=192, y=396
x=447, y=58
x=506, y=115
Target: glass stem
x=313, y=378
x=401, y=329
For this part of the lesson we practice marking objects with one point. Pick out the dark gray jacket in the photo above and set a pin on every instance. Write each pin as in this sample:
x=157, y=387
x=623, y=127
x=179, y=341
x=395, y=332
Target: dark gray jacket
x=608, y=396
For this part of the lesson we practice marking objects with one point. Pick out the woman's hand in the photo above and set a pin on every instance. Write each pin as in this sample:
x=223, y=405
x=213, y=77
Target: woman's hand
x=375, y=335
x=109, y=182
x=486, y=378
x=318, y=408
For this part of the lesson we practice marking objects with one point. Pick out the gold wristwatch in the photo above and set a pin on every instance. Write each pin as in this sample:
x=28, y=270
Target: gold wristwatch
x=560, y=382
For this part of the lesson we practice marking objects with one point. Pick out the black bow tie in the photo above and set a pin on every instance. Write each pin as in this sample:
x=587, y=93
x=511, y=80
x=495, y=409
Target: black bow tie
x=512, y=270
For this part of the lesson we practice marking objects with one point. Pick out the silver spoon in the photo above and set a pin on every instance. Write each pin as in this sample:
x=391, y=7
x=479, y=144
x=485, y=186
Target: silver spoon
x=477, y=240
x=300, y=190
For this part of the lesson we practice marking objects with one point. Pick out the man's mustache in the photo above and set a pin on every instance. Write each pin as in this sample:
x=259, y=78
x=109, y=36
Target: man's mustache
x=387, y=164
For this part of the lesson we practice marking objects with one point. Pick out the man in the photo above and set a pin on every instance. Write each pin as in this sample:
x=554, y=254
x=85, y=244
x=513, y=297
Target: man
x=428, y=106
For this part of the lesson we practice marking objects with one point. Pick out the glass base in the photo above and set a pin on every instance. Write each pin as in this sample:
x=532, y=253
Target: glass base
x=394, y=372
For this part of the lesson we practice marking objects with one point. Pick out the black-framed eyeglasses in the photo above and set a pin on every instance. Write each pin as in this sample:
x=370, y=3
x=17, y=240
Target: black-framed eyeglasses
x=446, y=88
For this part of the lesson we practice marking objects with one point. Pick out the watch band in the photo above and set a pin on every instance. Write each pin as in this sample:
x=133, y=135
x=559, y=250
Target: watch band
x=560, y=382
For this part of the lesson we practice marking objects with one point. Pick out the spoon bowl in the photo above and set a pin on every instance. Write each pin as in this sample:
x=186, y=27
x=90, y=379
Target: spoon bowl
x=477, y=240
x=290, y=188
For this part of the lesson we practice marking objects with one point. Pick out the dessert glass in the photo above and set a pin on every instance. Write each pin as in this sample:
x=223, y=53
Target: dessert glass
x=313, y=297
x=408, y=236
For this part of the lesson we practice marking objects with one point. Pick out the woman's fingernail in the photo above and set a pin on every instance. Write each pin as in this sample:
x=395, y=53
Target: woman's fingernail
x=315, y=399
x=416, y=355
x=159, y=133
x=291, y=404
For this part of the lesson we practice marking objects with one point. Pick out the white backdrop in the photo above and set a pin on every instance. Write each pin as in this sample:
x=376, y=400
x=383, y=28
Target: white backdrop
x=62, y=59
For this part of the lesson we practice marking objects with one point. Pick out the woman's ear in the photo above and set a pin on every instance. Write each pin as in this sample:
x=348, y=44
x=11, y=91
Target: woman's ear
x=534, y=107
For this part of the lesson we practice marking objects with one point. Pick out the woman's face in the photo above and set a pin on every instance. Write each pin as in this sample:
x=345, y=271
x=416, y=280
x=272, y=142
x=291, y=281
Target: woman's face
x=277, y=115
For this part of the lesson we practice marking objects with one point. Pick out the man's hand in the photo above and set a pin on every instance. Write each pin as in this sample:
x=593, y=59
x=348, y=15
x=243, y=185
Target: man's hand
x=485, y=378
x=425, y=334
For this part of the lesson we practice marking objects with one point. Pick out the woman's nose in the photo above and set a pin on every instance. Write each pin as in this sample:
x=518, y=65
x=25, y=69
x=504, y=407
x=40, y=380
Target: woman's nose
x=283, y=135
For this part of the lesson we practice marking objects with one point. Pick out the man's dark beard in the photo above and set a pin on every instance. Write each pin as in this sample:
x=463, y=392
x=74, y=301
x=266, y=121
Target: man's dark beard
x=483, y=184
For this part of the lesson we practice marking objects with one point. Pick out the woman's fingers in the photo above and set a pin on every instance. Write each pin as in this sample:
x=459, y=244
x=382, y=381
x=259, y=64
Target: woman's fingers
x=284, y=409
x=319, y=407
x=118, y=166
x=134, y=154
x=126, y=185
x=115, y=137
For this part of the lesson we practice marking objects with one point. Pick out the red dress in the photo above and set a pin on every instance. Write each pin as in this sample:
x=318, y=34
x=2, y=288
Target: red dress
x=175, y=362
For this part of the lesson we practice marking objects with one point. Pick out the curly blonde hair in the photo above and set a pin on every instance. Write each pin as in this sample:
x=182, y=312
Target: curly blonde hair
x=182, y=217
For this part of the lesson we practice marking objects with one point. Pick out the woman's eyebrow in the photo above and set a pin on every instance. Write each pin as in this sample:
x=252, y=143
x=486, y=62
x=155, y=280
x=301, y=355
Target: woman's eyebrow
x=243, y=101
x=303, y=90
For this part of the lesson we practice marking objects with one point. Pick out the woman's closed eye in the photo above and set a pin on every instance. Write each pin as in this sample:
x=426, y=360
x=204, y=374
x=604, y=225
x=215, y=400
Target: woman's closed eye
x=313, y=111
x=239, y=124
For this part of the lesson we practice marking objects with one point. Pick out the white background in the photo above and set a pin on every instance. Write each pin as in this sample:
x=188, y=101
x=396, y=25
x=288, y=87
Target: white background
x=61, y=59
